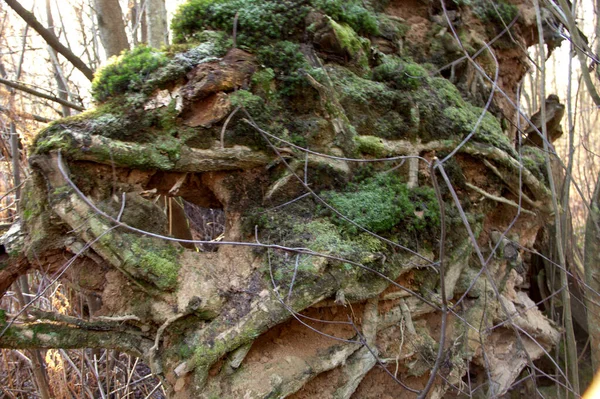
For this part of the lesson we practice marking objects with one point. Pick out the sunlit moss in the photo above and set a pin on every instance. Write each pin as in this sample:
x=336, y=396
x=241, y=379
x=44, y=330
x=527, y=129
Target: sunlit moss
x=126, y=72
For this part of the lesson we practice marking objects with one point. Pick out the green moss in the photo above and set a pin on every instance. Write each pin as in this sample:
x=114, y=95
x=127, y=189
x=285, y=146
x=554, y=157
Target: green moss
x=326, y=238
x=287, y=62
x=264, y=21
x=129, y=127
x=32, y=201
x=370, y=145
x=212, y=45
x=534, y=160
x=52, y=138
x=263, y=82
x=356, y=47
x=373, y=108
x=426, y=280
x=391, y=29
x=126, y=72
x=381, y=203
x=244, y=98
x=463, y=120
x=410, y=106
x=156, y=261
x=258, y=21
x=447, y=92
x=400, y=74
x=351, y=12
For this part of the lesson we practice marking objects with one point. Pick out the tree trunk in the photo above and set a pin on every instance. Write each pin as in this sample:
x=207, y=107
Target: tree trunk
x=156, y=17
x=111, y=26
x=592, y=273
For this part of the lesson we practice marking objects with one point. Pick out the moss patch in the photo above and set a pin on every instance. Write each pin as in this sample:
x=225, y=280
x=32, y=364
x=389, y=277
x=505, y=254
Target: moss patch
x=126, y=72
x=263, y=21
x=464, y=119
x=534, y=160
x=258, y=21
x=153, y=260
x=370, y=145
x=382, y=203
x=356, y=47
x=400, y=74
x=286, y=61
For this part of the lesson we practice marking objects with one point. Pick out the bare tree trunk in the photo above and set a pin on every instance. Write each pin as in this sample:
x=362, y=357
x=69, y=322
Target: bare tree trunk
x=133, y=21
x=592, y=273
x=156, y=17
x=111, y=26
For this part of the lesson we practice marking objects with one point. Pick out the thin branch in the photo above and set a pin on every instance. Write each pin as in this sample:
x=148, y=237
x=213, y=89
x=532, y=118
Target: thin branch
x=29, y=90
x=438, y=194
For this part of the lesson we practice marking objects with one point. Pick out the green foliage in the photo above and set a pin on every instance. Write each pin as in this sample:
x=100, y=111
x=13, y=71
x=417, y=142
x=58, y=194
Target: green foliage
x=155, y=261
x=326, y=238
x=244, y=98
x=391, y=29
x=126, y=72
x=400, y=74
x=533, y=159
x=381, y=203
x=262, y=82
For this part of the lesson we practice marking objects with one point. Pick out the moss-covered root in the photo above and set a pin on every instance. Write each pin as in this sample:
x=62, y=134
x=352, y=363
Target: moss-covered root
x=362, y=361
x=281, y=377
x=165, y=153
x=150, y=264
x=223, y=335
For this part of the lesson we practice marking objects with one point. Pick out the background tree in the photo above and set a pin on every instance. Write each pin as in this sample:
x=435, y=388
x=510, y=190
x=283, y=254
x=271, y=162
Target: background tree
x=111, y=26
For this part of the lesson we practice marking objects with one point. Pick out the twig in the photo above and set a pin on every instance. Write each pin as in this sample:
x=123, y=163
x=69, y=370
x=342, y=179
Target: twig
x=498, y=199
x=225, y=125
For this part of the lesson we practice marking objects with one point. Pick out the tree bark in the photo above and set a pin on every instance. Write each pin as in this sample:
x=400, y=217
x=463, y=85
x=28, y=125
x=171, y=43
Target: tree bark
x=156, y=17
x=112, y=27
